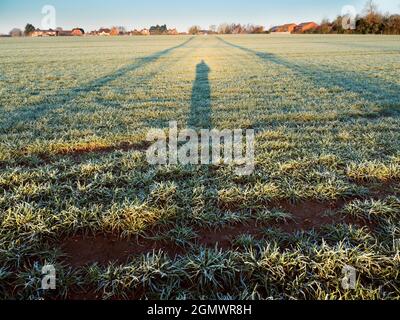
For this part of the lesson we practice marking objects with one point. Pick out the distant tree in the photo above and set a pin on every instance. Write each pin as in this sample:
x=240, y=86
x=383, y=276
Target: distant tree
x=361, y=26
x=121, y=30
x=236, y=28
x=364, y=26
x=194, y=30
x=371, y=8
x=16, y=32
x=373, y=20
x=117, y=30
x=224, y=28
x=29, y=29
x=325, y=27
x=392, y=24
x=257, y=29
x=158, y=30
x=337, y=25
x=114, y=31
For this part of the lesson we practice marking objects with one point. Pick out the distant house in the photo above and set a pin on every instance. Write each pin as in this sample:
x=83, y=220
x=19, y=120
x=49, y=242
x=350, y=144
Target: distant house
x=58, y=33
x=274, y=29
x=204, y=32
x=134, y=33
x=172, y=32
x=290, y=27
x=143, y=32
x=45, y=33
x=286, y=28
x=306, y=26
x=65, y=33
x=104, y=32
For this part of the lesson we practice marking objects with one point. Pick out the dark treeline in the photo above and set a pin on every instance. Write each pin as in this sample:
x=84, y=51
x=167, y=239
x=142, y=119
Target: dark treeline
x=370, y=22
x=159, y=30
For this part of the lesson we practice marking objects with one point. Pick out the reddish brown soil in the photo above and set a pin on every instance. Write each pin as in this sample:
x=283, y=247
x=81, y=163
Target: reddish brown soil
x=307, y=215
x=102, y=249
x=310, y=215
x=223, y=237
x=124, y=146
x=77, y=154
x=381, y=190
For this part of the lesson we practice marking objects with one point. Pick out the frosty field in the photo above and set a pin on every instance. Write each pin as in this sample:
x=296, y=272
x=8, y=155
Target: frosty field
x=77, y=192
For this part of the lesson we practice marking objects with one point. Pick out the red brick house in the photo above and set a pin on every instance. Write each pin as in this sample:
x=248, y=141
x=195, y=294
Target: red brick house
x=286, y=28
x=306, y=26
x=290, y=27
x=45, y=33
x=58, y=33
x=172, y=32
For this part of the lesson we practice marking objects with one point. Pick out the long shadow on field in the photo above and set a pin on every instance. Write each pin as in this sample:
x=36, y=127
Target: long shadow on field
x=37, y=110
x=377, y=89
x=200, y=110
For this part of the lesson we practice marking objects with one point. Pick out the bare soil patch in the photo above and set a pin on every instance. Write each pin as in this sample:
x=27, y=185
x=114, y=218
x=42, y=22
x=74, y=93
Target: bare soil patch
x=77, y=154
x=89, y=149
x=103, y=249
x=223, y=237
x=309, y=215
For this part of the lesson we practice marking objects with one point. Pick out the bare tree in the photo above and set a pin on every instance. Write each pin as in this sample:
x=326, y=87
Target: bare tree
x=392, y=24
x=194, y=30
x=121, y=29
x=254, y=29
x=372, y=18
x=370, y=8
x=224, y=28
x=236, y=28
x=29, y=29
x=326, y=26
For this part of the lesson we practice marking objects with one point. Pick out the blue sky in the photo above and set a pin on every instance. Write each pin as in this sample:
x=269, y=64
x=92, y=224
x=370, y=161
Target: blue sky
x=91, y=14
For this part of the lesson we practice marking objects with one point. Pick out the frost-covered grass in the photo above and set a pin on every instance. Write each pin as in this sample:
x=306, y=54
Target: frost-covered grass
x=74, y=116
